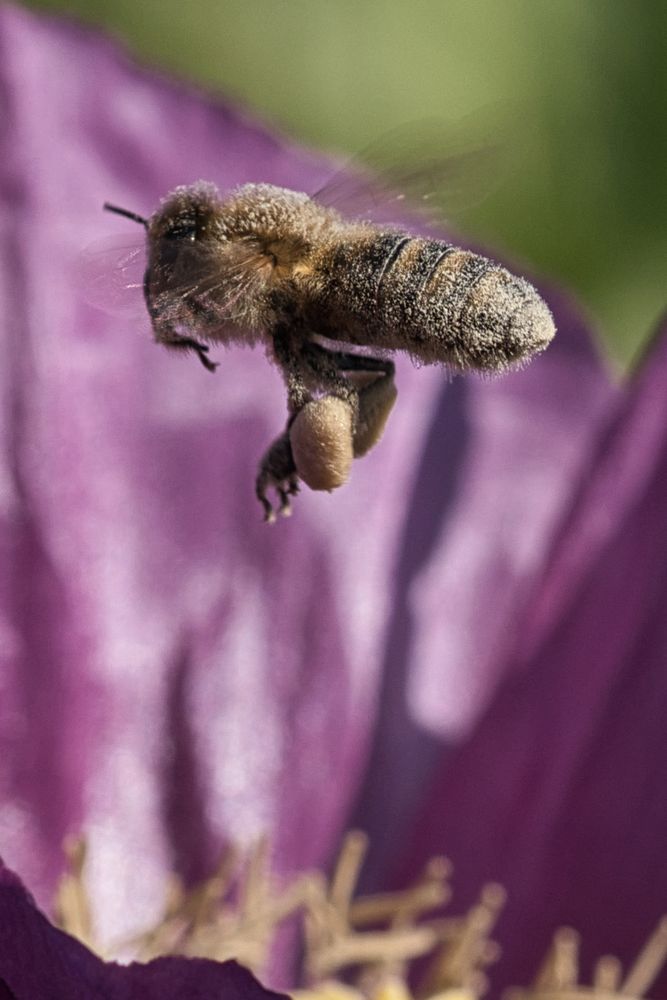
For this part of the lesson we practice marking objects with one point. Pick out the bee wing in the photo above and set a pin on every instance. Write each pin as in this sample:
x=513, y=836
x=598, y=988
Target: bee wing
x=428, y=170
x=111, y=275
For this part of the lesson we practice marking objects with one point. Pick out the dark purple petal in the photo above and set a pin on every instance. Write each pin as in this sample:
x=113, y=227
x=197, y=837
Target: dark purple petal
x=175, y=674
x=559, y=791
x=39, y=962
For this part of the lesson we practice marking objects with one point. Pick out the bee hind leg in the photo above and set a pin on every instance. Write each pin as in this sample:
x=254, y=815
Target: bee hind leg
x=277, y=471
x=376, y=401
x=363, y=363
x=372, y=381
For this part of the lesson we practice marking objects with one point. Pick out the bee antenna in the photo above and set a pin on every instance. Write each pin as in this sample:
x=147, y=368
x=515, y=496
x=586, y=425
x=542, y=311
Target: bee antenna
x=128, y=215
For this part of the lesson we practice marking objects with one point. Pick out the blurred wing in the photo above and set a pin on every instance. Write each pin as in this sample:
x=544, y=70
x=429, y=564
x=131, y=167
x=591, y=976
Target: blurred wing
x=110, y=273
x=426, y=170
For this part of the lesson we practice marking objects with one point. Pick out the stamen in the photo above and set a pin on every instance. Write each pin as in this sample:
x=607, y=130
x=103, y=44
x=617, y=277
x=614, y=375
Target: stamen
x=648, y=963
x=71, y=904
x=237, y=912
x=561, y=966
x=607, y=974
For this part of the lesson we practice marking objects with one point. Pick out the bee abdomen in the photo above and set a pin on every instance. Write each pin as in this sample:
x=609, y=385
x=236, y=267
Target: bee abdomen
x=408, y=269
x=459, y=308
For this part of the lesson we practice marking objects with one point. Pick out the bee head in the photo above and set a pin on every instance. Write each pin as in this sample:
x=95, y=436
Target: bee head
x=187, y=215
x=184, y=244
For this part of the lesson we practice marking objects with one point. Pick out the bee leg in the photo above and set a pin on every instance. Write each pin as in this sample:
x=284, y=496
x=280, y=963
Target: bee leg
x=307, y=366
x=190, y=344
x=376, y=401
x=372, y=379
x=175, y=341
x=277, y=471
x=202, y=354
x=349, y=375
x=363, y=363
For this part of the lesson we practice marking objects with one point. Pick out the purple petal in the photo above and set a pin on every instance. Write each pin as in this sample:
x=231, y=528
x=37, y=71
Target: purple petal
x=175, y=674
x=559, y=791
x=38, y=961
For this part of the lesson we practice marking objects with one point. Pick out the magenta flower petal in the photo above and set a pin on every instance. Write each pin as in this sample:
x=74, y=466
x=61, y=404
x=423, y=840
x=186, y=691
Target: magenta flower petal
x=174, y=674
x=38, y=961
x=559, y=791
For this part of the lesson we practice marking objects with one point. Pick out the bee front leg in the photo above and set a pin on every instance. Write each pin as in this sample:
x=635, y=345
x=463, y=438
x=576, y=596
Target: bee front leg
x=277, y=471
x=176, y=342
x=190, y=344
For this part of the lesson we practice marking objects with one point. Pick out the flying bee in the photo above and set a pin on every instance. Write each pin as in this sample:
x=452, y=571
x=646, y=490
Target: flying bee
x=267, y=265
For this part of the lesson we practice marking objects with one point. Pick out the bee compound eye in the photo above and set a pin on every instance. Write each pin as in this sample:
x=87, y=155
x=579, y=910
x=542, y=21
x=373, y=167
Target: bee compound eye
x=184, y=232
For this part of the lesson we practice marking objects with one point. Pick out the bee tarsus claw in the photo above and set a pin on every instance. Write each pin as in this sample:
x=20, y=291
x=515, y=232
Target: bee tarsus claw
x=285, y=508
x=277, y=473
x=207, y=363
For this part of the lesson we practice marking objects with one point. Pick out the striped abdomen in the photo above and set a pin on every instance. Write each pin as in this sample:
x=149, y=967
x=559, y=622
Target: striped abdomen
x=438, y=302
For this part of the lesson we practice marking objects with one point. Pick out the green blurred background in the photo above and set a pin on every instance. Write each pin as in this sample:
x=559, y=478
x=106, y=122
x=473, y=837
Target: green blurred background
x=579, y=86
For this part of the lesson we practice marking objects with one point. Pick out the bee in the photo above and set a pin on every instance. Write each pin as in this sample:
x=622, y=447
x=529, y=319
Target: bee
x=329, y=297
